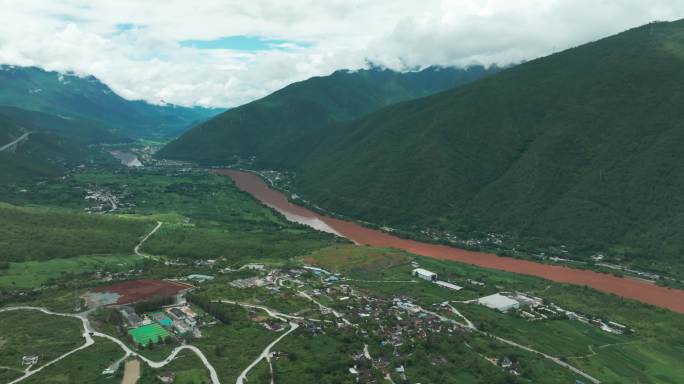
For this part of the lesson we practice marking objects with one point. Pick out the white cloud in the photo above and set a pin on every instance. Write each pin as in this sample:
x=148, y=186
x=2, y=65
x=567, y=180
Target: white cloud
x=146, y=60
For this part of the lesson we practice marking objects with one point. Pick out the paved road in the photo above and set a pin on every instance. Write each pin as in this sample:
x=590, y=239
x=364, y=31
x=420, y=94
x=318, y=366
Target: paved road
x=264, y=354
x=8, y=146
x=469, y=324
x=137, y=247
x=324, y=308
x=89, y=332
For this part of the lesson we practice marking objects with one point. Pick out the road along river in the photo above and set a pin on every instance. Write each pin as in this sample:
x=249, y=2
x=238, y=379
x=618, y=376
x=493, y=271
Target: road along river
x=645, y=292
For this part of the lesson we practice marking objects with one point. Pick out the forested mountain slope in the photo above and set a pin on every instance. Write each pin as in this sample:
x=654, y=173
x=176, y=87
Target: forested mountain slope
x=283, y=127
x=44, y=145
x=583, y=147
x=71, y=96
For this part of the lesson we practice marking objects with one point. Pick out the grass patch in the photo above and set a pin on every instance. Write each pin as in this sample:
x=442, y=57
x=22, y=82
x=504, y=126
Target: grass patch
x=33, y=333
x=41, y=233
x=31, y=274
x=84, y=366
x=358, y=262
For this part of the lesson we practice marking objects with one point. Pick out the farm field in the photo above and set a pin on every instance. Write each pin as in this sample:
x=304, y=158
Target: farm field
x=137, y=290
x=32, y=274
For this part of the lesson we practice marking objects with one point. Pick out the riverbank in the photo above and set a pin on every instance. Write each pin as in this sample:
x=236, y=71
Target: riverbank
x=625, y=287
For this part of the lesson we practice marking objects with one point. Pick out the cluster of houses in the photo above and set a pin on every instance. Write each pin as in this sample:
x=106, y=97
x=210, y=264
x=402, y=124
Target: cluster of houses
x=104, y=201
x=179, y=319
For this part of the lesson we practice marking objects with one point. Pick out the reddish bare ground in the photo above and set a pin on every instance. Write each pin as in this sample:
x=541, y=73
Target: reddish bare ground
x=136, y=290
x=643, y=291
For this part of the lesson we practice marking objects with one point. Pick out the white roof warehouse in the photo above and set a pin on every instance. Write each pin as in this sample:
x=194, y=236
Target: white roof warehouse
x=499, y=302
x=424, y=274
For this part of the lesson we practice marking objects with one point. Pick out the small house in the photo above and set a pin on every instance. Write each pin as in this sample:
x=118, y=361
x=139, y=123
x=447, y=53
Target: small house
x=424, y=274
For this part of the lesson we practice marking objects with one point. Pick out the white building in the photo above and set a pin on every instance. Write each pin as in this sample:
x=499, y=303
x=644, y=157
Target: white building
x=424, y=274
x=446, y=285
x=499, y=302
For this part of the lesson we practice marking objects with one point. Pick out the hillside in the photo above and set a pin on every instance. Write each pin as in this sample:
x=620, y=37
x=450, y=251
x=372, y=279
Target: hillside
x=581, y=148
x=71, y=96
x=47, y=146
x=280, y=129
x=80, y=131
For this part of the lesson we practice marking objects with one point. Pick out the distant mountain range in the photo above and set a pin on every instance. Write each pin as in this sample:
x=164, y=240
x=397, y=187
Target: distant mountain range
x=281, y=129
x=63, y=114
x=581, y=148
x=86, y=98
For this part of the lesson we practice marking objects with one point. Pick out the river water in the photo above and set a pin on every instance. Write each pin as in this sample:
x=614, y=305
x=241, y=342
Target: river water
x=640, y=290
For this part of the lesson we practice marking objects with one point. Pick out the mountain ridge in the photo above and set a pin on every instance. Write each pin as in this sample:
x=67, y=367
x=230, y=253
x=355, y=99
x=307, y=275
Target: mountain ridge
x=69, y=95
x=281, y=128
x=564, y=149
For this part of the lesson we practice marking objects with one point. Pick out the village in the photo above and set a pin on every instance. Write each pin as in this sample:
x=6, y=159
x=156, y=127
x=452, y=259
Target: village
x=394, y=324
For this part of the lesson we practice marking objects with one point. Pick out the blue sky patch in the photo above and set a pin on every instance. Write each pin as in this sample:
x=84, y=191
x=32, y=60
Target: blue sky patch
x=243, y=43
x=125, y=27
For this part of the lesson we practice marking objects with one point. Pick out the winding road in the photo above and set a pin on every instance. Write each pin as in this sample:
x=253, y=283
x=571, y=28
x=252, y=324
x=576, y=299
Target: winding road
x=144, y=239
x=469, y=325
x=12, y=145
x=266, y=353
x=89, y=332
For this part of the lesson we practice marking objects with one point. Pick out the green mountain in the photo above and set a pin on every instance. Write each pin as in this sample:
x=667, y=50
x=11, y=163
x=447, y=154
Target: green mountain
x=45, y=145
x=582, y=148
x=78, y=130
x=281, y=128
x=87, y=98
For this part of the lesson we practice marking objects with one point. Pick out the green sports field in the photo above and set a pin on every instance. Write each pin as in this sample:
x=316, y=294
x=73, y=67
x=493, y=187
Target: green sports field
x=152, y=332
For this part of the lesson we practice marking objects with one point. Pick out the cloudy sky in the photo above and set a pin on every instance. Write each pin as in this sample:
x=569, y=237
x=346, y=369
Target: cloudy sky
x=225, y=53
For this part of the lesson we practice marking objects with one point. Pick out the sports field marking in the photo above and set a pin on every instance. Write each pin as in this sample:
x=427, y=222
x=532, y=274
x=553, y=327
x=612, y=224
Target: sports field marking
x=151, y=332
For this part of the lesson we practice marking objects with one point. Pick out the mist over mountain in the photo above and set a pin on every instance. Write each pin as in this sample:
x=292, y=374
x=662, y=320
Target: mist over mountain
x=582, y=148
x=71, y=96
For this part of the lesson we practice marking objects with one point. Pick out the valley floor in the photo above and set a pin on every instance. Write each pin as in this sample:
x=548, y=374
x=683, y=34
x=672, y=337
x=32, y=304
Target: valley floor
x=277, y=302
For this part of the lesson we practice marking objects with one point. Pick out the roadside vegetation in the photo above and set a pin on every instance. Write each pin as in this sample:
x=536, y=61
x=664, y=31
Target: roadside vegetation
x=31, y=333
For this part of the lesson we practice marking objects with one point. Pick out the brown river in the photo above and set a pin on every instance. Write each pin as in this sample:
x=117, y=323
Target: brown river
x=640, y=290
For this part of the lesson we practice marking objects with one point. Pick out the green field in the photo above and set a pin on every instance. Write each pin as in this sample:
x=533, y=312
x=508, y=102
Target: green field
x=31, y=274
x=186, y=366
x=28, y=333
x=84, y=366
x=149, y=333
x=31, y=233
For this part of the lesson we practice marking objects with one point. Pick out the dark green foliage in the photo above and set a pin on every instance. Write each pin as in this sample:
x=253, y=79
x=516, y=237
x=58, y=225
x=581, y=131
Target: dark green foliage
x=582, y=148
x=28, y=333
x=87, y=98
x=224, y=313
x=41, y=234
x=53, y=144
x=283, y=127
x=77, y=130
x=153, y=304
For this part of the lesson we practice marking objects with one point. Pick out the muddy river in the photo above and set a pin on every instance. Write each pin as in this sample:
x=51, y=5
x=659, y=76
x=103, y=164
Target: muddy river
x=626, y=287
